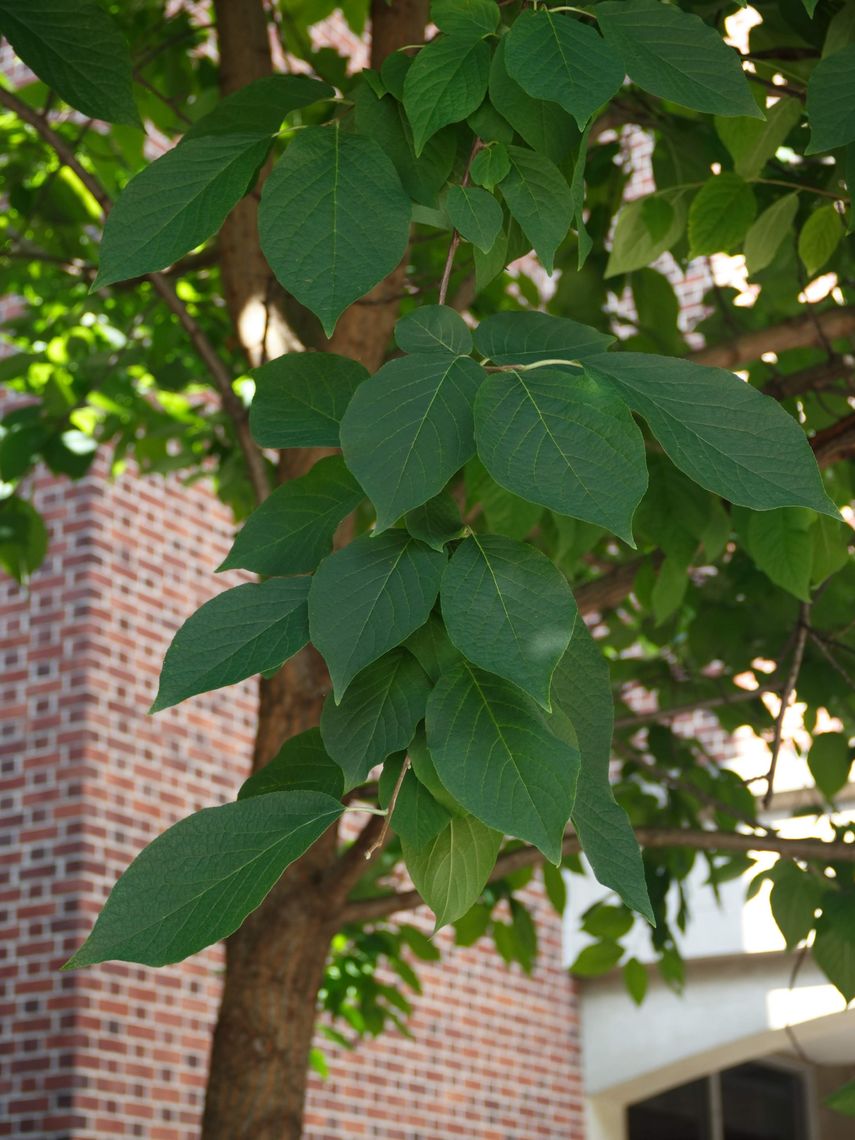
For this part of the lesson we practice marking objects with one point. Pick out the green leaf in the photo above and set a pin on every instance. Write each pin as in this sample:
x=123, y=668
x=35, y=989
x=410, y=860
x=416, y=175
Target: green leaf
x=819, y=238
x=555, y=56
x=318, y=219
x=23, y=538
x=76, y=49
x=302, y=763
x=494, y=753
x=293, y=528
x=781, y=545
x=596, y=959
x=606, y=921
x=766, y=234
x=752, y=143
x=434, y=328
x=669, y=589
x=368, y=598
x=720, y=215
x=577, y=193
x=795, y=897
x=581, y=689
x=831, y=101
x=437, y=522
x=528, y=337
x=635, y=980
x=829, y=761
x=842, y=1100
x=488, y=266
x=176, y=203
x=377, y=715
x=719, y=430
x=409, y=428
x=830, y=548
x=301, y=397
x=504, y=513
x=563, y=441
x=545, y=126
x=452, y=870
x=673, y=54
x=468, y=18
x=539, y=199
x=196, y=883
x=834, y=945
x=508, y=610
x=418, y=818
x=431, y=647
x=446, y=82
x=250, y=629
x=490, y=165
x=475, y=214
x=260, y=107
x=555, y=887
x=635, y=244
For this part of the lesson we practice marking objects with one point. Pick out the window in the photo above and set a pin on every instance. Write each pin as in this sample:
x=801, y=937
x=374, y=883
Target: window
x=749, y=1102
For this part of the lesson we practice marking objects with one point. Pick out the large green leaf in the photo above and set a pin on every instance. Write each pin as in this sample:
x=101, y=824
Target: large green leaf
x=446, y=82
x=645, y=229
x=781, y=545
x=377, y=715
x=557, y=439
x=795, y=897
x=176, y=203
x=582, y=691
x=250, y=629
x=409, y=428
x=417, y=817
x=720, y=215
x=508, y=610
x=555, y=56
x=451, y=871
x=544, y=125
x=475, y=214
x=719, y=430
x=301, y=764
x=368, y=598
x=675, y=55
x=539, y=198
x=75, y=48
x=473, y=18
x=527, y=337
x=293, y=528
x=831, y=101
x=494, y=753
x=196, y=883
x=260, y=107
x=834, y=945
x=301, y=397
x=318, y=219
x=434, y=328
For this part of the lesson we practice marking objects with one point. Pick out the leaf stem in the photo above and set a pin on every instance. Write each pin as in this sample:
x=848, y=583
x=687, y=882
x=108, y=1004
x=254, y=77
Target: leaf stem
x=384, y=831
x=455, y=236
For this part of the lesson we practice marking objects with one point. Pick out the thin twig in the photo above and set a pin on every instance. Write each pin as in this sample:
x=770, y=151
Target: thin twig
x=455, y=236
x=384, y=831
x=802, y=630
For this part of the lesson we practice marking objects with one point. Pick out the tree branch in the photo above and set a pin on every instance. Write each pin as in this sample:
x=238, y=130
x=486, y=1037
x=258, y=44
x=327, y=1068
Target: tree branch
x=801, y=633
x=797, y=332
x=219, y=373
x=655, y=716
x=364, y=910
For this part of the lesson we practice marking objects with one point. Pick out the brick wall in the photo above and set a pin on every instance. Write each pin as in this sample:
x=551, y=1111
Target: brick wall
x=87, y=778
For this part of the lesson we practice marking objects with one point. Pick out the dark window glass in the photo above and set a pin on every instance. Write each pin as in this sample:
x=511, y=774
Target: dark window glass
x=682, y=1113
x=762, y=1103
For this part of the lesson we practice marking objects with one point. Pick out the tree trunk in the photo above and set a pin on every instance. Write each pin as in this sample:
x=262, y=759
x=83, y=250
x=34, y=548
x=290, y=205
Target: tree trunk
x=275, y=962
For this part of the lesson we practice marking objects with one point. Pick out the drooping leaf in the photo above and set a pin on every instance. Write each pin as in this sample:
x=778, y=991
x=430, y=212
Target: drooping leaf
x=446, y=82
x=508, y=610
x=302, y=763
x=409, y=428
x=475, y=214
x=301, y=397
x=781, y=545
x=528, y=337
x=577, y=193
x=539, y=199
x=559, y=440
x=318, y=219
x=581, y=689
x=635, y=979
x=752, y=142
x=794, y=899
x=719, y=430
x=494, y=753
x=831, y=101
x=555, y=56
x=434, y=328
x=196, y=883
x=436, y=522
x=766, y=234
x=377, y=715
x=819, y=238
x=673, y=54
x=247, y=630
x=293, y=528
x=368, y=598
x=669, y=589
x=830, y=549
x=842, y=1100
x=452, y=870
x=720, y=215
x=23, y=538
x=635, y=244
x=834, y=945
x=75, y=48
x=829, y=761
x=546, y=127
x=418, y=818
x=490, y=165
x=597, y=958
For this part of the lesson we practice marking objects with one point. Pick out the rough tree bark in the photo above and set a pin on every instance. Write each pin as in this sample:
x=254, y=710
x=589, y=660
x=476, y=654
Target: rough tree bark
x=275, y=962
